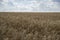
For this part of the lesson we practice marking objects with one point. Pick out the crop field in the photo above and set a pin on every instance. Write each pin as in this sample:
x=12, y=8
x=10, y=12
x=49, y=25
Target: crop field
x=29, y=26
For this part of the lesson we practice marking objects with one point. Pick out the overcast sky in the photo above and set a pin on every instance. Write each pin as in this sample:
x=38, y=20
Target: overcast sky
x=29, y=5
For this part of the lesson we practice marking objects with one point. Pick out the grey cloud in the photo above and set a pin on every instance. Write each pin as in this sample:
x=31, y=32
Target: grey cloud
x=10, y=4
x=56, y=0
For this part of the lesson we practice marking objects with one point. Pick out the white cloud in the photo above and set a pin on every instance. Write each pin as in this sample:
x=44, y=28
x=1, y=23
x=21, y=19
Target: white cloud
x=30, y=5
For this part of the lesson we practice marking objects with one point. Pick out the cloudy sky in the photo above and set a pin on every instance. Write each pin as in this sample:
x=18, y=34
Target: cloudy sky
x=29, y=5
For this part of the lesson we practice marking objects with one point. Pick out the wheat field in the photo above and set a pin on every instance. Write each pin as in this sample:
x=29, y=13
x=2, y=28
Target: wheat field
x=29, y=26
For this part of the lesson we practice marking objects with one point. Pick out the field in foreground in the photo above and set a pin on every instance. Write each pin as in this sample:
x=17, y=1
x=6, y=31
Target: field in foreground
x=29, y=26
